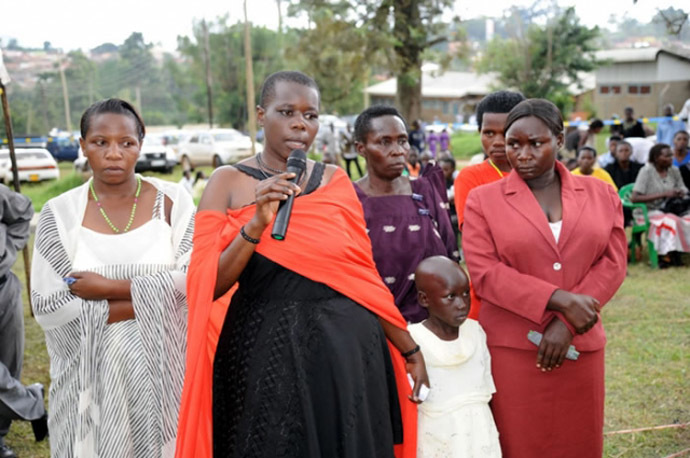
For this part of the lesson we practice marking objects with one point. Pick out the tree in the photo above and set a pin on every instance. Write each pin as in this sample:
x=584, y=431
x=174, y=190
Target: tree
x=136, y=56
x=333, y=53
x=104, y=48
x=542, y=61
x=396, y=31
x=673, y=19
x=226, y=45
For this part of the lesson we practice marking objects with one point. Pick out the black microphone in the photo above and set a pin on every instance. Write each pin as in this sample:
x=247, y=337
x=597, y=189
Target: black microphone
x=297, y=164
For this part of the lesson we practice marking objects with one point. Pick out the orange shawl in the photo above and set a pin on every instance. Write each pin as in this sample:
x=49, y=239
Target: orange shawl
x=328, y=221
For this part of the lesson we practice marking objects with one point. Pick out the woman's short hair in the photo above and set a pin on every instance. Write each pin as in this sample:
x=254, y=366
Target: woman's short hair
x=497, y=102
x=363, y=121
x=681, y=132
x=450, y=160
x=623, y=142
x=587, y=148
x=541, y=109
x=268, y=89
x=116, y=106
x=656, y=150
x=596, y=124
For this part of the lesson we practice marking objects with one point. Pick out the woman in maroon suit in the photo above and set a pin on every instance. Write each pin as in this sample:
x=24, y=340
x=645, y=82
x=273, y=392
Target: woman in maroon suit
x=545, y=250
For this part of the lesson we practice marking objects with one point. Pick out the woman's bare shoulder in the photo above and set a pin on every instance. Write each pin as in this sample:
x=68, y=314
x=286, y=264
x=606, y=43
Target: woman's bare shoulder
x=328, y=173
x=218, y=192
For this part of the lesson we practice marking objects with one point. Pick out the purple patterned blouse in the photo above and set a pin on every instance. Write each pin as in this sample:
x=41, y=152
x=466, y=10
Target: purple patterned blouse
x=406, y=229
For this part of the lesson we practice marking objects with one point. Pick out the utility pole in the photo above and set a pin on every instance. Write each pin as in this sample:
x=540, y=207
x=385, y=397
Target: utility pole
x=280, y=26
x=137, y=96
x=207, y=67
x=44, y=105
x=251, y=109
x=65, y=95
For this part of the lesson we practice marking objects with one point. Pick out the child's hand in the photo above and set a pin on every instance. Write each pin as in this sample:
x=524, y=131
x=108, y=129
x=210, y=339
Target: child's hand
x=554, y=345
x=417, y=369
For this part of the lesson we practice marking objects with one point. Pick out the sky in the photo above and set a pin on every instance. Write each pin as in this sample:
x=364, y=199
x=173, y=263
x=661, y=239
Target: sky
x=85, y=24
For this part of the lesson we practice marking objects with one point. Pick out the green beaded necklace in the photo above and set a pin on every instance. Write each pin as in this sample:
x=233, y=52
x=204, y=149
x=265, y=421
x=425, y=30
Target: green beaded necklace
x=131, y=216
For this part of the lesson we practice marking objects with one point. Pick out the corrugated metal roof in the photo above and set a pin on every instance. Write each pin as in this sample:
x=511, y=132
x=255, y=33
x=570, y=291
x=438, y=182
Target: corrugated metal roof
x=629, y=54
x=446, y=85
x=635, y=54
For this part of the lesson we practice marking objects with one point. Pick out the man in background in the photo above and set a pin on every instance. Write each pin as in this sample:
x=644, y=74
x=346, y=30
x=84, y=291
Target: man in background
x=667, y=127
x=17, y=402
x=632, y=127
x=492, y=113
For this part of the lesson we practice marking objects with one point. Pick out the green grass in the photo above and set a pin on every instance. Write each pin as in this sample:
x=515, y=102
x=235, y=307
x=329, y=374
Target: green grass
x=40, y=192
x=465, y=144
x=647, y=360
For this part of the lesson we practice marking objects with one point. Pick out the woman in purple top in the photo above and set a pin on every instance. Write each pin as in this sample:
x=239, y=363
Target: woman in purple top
x=433, y=139
x=407, y=221
x=444, y=140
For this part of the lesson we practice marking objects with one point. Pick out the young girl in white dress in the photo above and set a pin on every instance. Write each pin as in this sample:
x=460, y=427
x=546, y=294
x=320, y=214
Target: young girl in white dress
x=455, y=420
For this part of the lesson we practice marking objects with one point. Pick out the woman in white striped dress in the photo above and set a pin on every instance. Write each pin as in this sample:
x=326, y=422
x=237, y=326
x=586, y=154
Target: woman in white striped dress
x=108, y=288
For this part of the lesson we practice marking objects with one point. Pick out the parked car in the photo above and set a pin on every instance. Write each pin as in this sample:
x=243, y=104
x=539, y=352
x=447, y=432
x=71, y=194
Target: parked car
x=63, y=145
x=33, y=164
x=174, y=138
x=81, y=165
x=216, y=147
x=154, y=156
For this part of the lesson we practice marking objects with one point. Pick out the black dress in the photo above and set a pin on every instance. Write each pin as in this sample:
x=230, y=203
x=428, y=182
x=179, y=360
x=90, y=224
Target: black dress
x=301, y=370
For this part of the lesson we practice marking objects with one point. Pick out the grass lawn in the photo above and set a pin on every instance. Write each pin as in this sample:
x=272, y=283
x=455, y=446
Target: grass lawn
x=647, y=357
x=464, y=145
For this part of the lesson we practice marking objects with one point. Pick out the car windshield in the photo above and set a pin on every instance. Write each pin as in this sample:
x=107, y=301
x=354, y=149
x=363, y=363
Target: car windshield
x=226, y=137
x=152, y=141
x=65, y=141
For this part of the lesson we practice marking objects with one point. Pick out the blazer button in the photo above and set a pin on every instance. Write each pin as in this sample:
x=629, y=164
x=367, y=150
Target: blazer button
x=557, y=266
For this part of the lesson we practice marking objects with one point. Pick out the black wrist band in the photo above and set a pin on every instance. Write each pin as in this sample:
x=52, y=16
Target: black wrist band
x=407, y=354
x=247, y=237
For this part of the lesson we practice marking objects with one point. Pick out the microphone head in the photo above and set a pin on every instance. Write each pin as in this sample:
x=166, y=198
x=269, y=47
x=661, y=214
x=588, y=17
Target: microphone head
x=297, y=160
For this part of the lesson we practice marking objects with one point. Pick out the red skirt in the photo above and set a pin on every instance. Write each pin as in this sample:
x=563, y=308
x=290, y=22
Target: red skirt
x=548, y=414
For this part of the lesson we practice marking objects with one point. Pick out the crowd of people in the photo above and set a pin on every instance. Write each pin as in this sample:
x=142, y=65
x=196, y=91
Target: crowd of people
x=177, y=330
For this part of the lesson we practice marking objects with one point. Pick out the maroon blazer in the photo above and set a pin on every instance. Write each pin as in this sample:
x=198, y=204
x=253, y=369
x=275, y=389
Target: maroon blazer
x=516, y=264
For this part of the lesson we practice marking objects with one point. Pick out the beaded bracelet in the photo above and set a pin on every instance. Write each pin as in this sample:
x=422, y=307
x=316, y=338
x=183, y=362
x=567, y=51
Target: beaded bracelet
x=247, y=237
x=407, y=354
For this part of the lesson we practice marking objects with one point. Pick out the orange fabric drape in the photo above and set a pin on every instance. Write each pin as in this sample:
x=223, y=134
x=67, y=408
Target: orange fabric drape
x=326, y=242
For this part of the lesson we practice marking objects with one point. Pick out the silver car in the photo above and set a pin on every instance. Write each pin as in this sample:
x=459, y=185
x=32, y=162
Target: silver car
x=216, y=147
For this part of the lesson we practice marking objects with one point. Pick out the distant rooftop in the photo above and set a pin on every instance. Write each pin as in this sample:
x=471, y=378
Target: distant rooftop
x=635, y=54
x=445, y=85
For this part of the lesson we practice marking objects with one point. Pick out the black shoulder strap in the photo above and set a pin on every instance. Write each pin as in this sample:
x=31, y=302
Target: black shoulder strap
x=315, y=178
x=312, y=185
x=251, y=171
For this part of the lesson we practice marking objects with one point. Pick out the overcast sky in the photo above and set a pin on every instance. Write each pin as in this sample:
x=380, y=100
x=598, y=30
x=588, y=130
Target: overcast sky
x=73, y=24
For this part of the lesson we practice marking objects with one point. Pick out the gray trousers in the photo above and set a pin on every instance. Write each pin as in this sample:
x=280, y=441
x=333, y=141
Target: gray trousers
x=17, y=402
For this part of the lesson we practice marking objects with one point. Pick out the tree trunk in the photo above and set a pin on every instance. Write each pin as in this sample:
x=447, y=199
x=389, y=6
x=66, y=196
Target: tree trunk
x=44, y=106
x=409, y=51
x=280, y=18
x=65, y=96
x=409, y=94
x=251, y=99
x=137, y=97
x=207, y=70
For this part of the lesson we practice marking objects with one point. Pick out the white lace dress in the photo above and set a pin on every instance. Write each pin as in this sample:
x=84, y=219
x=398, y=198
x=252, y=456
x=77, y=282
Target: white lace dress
x=455, y=421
